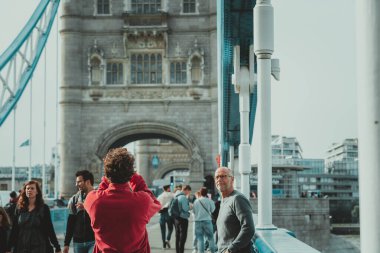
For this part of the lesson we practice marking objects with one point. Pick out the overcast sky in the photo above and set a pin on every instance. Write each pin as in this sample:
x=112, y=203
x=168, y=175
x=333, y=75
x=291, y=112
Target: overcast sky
x=315, y=100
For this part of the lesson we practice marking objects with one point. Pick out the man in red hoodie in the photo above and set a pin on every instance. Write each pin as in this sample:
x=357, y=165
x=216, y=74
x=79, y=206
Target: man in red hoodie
x=121, y=207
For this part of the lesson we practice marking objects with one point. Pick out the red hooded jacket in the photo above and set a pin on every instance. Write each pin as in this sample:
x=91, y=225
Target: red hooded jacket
x=119, y=214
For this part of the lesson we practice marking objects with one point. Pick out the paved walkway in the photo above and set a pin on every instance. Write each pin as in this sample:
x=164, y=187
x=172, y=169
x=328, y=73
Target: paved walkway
x=155, y=241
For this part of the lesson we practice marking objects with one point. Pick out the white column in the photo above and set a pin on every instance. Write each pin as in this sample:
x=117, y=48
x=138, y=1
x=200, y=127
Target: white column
x=14, y=151
x=368, y=83
x=263, y=46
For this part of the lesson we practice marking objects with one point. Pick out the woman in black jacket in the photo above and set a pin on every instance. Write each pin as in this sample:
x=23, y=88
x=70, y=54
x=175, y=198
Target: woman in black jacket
x=4, y=229
x=32, y=230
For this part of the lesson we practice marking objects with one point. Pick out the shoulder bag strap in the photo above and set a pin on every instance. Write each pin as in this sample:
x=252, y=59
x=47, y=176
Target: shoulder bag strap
x=200, y=201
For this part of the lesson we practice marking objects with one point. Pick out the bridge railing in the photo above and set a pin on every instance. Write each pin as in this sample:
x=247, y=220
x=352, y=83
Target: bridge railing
x=280, y=241
x=267, y=241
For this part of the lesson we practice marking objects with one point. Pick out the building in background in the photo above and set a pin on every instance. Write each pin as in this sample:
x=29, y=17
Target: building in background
x=342, y=158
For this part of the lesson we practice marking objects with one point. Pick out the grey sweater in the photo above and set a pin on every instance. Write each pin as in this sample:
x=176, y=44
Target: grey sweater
x=235, y=224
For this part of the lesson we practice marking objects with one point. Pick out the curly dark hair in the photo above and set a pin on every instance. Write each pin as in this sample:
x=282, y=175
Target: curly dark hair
x=118, y=165
x=23, y=201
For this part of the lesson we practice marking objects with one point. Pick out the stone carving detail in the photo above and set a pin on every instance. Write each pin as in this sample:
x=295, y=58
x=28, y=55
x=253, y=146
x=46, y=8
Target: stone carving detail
x=196, y=161
x=178, y=51
x=95, y=64
x=114, y=50
x=196, y=65
x=148, y=42
x=146, y=94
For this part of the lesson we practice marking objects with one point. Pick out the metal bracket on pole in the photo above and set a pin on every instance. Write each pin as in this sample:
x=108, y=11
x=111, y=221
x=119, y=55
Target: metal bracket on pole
x=243, y=81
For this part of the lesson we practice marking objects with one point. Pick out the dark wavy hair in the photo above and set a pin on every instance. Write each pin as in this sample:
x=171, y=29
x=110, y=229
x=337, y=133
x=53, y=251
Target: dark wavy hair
x=5, y=222
x=203, y=191
x=119, y=165
x=23, y=201
x=86, y=175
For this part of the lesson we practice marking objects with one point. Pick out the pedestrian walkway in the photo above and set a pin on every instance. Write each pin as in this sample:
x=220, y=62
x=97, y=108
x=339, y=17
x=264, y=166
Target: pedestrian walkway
x=155, y=241
x=154, y=234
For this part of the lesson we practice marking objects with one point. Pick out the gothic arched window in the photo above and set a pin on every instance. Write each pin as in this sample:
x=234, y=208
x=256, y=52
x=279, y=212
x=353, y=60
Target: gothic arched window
x=114, y=73
x=178, y=72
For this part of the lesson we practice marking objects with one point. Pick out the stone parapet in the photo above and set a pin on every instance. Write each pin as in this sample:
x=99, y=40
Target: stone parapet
x=308, y=219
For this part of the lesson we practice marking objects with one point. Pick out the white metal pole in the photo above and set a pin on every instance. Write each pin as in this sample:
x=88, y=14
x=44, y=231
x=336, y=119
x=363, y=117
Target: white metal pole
x=14, y=132
x=14, y=151
x=263, y=46
x=368, y=83
x=56, y=171
x=44, y=133
x=30, y=130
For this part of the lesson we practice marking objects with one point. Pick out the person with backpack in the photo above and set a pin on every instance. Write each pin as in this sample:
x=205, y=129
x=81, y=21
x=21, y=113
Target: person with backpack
x=10, y=207
x=78, y=222
x=32, y=227
x=179, y=209
x=203, y=208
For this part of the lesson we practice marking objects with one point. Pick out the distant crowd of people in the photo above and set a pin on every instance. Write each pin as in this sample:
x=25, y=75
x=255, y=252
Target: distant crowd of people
x=113, y=217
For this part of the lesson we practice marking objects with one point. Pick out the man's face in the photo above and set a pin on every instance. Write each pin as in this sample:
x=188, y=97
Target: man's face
x=187, y=192
x=224, y=181
x=80, y=183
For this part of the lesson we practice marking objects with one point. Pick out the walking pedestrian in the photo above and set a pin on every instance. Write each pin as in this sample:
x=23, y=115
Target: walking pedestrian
x=32, y=227
x=203, y=208
x=78, y=225
x=181, y=222
x=165, y=219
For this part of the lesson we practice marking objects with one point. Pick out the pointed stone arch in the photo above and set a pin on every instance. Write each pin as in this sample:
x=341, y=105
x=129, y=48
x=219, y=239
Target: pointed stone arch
x=132, y=131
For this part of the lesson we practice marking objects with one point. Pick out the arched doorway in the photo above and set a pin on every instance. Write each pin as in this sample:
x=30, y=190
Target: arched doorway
x=122, y=134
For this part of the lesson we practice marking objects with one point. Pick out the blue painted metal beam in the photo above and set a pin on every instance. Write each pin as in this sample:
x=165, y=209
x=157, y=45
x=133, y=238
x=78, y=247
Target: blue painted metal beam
x=235, y=27
x=15, y=46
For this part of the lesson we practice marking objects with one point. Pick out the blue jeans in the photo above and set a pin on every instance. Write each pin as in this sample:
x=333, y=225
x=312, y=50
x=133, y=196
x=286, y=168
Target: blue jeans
x=204, y=229
x=83, y=247
x=165, y=219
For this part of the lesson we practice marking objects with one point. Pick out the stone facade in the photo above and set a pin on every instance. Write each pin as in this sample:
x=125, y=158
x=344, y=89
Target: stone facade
x=109, y=97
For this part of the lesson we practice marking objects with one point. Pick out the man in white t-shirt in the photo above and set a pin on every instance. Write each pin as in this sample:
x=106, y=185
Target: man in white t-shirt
x=165, y=220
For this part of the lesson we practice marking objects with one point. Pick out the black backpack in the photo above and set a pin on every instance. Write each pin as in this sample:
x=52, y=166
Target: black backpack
x=174, y=208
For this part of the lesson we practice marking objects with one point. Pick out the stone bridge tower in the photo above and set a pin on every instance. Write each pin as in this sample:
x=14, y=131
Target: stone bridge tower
x=136, y=70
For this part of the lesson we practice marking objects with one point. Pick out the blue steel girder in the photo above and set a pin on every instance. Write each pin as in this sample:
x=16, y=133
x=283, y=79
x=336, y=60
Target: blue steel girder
x=22, y=56
x=235, y=27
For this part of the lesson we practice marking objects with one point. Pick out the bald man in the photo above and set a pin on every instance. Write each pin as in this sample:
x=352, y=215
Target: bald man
x=235, y=223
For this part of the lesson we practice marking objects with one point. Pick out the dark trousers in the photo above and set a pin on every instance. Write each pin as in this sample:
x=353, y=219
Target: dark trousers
x=165, y=219
x=180, y=225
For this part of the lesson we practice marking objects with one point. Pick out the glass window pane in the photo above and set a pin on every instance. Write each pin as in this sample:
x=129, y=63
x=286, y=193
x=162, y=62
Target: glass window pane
x=172, y=73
